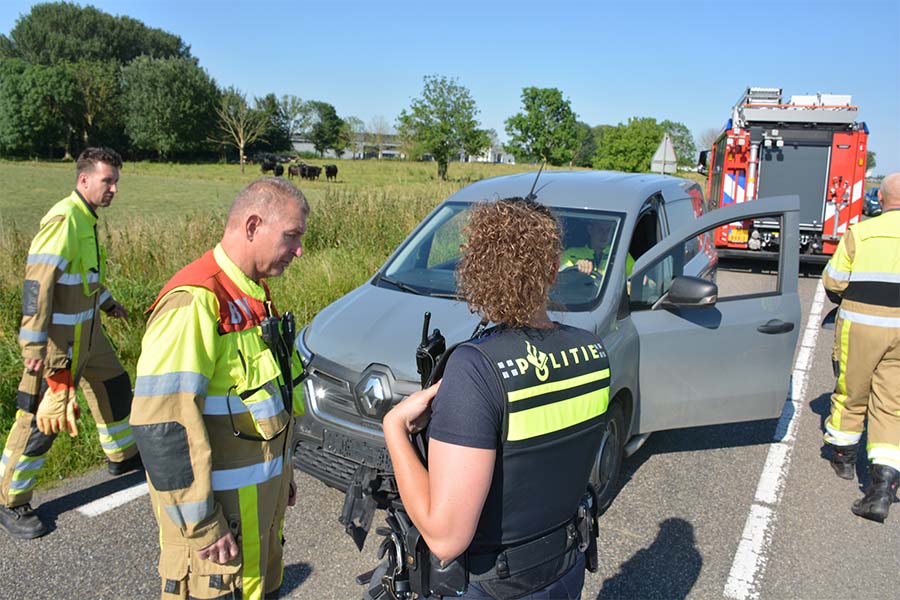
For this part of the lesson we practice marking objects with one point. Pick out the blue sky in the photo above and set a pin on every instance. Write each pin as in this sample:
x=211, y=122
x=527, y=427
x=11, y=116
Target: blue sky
x=683, y=61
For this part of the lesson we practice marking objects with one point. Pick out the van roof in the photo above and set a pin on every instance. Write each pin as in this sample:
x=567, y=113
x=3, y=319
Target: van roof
x=604, y=190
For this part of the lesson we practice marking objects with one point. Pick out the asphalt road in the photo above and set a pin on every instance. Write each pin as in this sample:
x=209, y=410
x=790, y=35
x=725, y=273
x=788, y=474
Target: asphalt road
x=698, y=516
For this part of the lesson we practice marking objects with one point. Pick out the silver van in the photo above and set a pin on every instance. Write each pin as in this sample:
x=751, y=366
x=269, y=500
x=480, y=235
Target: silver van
x=652, y=297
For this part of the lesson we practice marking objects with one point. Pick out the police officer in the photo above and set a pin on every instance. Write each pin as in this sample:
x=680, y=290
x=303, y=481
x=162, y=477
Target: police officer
x=213, y=410
x=63, y=344
x=864, y=277
x=515, y=424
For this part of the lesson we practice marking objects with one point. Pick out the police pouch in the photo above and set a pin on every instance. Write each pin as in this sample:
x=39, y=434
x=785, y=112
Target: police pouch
x=427, y=576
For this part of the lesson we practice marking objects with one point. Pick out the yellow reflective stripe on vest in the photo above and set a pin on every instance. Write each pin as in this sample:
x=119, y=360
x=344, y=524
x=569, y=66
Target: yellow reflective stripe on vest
x=556, y=386
x=559, y=415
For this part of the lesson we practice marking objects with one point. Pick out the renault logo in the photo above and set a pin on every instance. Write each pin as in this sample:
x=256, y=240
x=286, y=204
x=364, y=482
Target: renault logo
x=373, y=393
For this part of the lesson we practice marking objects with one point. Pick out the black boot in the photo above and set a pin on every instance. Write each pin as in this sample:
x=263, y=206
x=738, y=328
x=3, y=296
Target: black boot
x=21, y=522
x=843, y=460
x=880, y=494
x=129, y=464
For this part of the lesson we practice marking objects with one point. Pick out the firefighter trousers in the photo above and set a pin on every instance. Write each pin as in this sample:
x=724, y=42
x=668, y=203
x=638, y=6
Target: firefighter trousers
x=866, y=360
x=255, y=515
x=107, y=389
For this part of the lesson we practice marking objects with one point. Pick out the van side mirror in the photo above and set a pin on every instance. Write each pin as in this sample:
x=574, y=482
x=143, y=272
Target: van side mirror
x=689, y=292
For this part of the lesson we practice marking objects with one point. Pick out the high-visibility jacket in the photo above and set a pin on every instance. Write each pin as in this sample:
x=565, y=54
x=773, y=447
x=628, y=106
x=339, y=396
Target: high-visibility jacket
x=64, y=284
x=865, y=271
x=571, y=256
x=556, y=386
x=205, y=375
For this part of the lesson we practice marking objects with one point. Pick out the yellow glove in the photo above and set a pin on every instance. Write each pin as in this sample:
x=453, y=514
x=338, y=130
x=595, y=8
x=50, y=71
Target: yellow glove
x=58, y=409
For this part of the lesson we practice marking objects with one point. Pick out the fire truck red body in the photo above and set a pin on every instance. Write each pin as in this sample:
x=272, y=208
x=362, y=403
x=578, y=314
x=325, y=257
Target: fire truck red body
x=811, y=146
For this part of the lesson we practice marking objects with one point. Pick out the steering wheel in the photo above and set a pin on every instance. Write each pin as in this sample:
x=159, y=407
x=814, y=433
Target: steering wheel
x=571, y=276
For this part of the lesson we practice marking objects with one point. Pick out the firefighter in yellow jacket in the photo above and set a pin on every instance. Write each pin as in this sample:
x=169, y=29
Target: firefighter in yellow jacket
x=217, y=388
x=864, y=276
x=63, y=344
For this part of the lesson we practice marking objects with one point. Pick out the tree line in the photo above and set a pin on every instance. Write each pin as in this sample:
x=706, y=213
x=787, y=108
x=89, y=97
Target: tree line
x=74, y=76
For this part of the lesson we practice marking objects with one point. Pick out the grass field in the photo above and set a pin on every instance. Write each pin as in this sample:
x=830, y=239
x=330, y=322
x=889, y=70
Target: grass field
x=165, y=215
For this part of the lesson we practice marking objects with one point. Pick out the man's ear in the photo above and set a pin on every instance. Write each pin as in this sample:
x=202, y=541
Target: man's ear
x=251, y=226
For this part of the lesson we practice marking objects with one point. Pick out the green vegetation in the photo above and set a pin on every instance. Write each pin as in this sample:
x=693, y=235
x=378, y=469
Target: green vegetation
x=546, y=130
x=166, y=215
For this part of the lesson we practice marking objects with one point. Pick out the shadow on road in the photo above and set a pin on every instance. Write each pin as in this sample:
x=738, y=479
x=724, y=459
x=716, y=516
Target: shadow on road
x=671, y=563
x=294, y=576
x=50, y=511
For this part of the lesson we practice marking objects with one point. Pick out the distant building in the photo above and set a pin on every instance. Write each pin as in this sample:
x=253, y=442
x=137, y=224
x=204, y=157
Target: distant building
x=494, y=154
x=360, y=148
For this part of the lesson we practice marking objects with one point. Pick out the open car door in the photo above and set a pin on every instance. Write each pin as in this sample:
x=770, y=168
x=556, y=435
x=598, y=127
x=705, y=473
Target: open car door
x=706, y=359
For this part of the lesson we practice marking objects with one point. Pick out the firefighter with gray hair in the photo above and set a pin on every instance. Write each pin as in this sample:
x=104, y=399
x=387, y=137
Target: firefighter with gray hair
x=863, y=276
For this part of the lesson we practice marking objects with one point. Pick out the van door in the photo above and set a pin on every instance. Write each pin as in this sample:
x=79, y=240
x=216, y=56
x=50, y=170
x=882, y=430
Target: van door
x=723, y=363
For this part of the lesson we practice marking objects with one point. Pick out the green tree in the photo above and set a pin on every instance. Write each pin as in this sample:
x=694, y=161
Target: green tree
x=683, y=141
x=353, y=135
x=870, y=160
x=169, y=105
x=298, y=114
x=546, y=130
x=97, y=119
x=587, y=146
x=239, y=125
x=327, y=127
x=629, y=147
x=34, y=103
x=277, y=134
x=57, y=32
x=442, y=122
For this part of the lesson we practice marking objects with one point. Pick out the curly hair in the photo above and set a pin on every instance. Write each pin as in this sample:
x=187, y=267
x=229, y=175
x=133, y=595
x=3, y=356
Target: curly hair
x=509, y=260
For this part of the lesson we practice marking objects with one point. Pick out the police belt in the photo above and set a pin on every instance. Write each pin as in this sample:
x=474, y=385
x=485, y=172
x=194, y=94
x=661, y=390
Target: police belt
x=520, y=558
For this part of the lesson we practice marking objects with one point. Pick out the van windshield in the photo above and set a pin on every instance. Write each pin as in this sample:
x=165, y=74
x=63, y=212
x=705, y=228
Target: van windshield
x=427, y=261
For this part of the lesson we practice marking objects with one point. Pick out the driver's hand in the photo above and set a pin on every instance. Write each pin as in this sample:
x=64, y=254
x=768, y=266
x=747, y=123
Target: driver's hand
x=585, y=266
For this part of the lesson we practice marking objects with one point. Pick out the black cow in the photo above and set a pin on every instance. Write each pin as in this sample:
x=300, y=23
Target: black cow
x=331, y=172
x=268, y=165
x=314, y=172
x=279, y=170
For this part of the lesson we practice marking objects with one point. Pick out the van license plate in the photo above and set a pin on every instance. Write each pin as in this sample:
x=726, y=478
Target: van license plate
x=358, y=451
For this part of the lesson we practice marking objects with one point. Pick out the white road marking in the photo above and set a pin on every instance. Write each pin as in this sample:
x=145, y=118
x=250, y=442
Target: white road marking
x=750, y=558
x=107, y=503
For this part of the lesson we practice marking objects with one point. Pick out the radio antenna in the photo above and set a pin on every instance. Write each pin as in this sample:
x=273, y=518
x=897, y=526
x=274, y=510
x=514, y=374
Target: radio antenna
x=531, y=195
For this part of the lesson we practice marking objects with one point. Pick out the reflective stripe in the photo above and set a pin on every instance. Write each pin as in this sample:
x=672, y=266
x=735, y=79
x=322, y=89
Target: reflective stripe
x=557, y=386
x=884, y=454
x=73, y=319
x=32, y=336
x=251, y=572
x=836, y=437
x=542, y=420
x=872, y=320
x=218, y=405
x=113, y=429
x=118, y=444
x=76, y=278
x=264, y=409
x=189, y=512
x=875, y=276
x=30, y=463
x=180, y=382
x=20, y=486
x=835, y=274
x=48, y=259
x=232, y=479
x=104, y=297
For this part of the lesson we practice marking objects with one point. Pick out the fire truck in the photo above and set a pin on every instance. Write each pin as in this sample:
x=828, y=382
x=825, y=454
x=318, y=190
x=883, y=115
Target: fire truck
x=811, y=146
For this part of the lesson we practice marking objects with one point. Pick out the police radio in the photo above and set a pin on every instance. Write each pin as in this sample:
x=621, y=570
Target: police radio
x=429, y=351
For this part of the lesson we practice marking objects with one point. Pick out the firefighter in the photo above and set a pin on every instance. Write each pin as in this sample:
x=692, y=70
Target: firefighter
x=63, y=344
x=515, y=424
x=864, y=277
x=214, y=402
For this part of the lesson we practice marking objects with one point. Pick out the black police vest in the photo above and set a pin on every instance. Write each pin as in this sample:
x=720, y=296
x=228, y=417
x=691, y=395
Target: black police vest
x=556, y=387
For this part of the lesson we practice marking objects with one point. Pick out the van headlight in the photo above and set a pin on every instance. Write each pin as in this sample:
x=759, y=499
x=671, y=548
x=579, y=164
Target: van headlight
x=302, y=350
